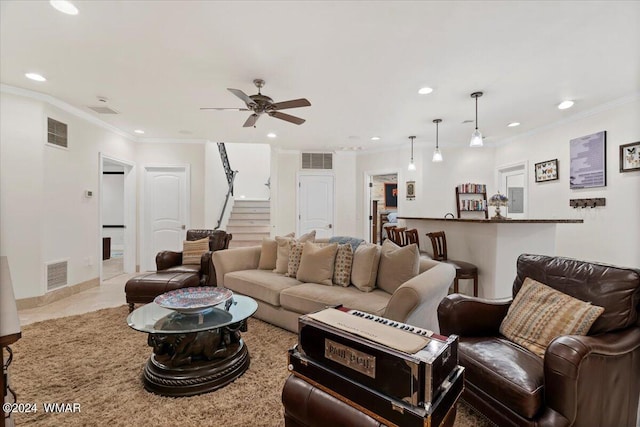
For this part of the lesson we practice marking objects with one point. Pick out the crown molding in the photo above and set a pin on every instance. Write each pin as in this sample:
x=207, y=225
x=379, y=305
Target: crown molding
x=55, y=102
x=172, y=141
x=574, y=118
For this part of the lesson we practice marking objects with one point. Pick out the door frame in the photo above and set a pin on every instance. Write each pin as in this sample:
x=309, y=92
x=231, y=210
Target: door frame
x=502, y=170
x=144, y=239
x=314, y=173
x=130, y=187
x=366, y=199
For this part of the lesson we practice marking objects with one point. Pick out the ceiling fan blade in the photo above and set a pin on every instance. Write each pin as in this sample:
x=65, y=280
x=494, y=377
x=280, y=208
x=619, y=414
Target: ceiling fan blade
x=240, y=94
x=222, y=109
x=251, y=121
x=294, y=103
x=287, y=117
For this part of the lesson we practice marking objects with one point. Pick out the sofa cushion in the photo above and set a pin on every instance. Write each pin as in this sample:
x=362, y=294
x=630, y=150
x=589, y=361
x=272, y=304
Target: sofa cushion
x=184, y=268
x=365, y=266
x=539, y=314
x=310, y=297
x=342, y=266
x=192, y=250
x=282, y=257
x=295, y=255
x=505, y=371
x=397, y=265
x=259, y=284
x=316, y=264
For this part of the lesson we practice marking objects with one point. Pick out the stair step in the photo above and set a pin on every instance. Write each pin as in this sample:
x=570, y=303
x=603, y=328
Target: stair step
x=262, y=216
x=250, y=209
x=248, y=223
x=252, y=203
x=248, y=229
x=249, y=236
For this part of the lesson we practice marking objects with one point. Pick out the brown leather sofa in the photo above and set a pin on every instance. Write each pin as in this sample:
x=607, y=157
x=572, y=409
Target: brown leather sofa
x=170, y=261
x=591, y=380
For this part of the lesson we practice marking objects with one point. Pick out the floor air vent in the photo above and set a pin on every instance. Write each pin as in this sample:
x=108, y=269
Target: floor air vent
x=317, y=160
x=56, y=275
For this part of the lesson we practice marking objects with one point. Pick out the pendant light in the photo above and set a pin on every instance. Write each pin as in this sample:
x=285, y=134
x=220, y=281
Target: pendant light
x=437, y=155
x=476, y=136
x=412, y=166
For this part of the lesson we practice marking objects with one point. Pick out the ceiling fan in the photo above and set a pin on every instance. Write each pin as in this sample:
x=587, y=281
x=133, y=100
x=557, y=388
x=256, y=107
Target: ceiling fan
x=262, y=104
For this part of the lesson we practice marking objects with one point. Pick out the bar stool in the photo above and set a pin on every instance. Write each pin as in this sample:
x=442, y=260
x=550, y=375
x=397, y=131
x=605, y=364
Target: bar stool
x=464, y=270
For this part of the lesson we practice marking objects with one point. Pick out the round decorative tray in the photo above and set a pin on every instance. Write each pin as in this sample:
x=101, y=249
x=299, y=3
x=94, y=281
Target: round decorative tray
x=193, y=300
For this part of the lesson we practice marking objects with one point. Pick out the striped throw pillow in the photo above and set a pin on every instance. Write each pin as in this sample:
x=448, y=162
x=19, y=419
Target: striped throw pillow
x=192, y=250
x=539, y=313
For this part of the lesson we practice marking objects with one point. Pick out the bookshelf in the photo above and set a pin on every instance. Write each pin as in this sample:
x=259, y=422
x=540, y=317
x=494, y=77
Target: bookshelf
x=472, y=198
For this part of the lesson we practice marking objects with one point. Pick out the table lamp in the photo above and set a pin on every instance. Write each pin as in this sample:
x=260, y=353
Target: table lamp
x=9, y=325
x=498, y=200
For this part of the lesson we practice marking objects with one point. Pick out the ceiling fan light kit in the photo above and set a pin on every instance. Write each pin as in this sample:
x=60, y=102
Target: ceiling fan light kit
x=261, y=104
x=437, y=155
x=476, y=136
x=412, y=166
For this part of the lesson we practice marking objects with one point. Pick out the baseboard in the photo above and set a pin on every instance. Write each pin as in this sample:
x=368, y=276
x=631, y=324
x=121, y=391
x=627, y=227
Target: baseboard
x=57, y=294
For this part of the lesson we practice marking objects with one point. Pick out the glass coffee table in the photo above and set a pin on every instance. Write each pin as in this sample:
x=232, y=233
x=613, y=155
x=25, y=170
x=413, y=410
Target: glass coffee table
x=194, y=353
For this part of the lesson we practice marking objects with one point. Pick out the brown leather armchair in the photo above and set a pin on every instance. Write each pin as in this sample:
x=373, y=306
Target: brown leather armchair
x=170, y=261
x=591, y=380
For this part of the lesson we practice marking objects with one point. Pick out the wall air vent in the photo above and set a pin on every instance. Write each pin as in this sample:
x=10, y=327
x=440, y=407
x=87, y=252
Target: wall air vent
x=317, y=160
x=56, y=275
x=56, y=133
x=103, y=110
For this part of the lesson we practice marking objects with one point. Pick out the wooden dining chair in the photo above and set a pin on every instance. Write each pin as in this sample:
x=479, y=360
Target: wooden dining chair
x=464, y=270
x=396, y=234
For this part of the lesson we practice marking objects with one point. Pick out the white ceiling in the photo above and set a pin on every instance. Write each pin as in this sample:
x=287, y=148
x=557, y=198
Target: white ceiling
x=359, y=63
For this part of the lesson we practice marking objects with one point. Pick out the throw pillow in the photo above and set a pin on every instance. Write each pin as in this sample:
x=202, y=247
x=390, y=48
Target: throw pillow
x=397, y=265
x=282, y=256
x=269, y=252
x=192, y=250
x=342, y=266
x=295, y=255
x=539, y=313
x=316, y=264
x=365, y=266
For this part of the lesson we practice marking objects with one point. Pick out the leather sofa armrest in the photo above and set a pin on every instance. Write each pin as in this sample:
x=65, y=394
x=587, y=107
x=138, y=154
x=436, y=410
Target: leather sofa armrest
x=469, y=316
x=208, y=273
x=570, y=364
x=416, y=300
x=168, y=259
x=235, y=259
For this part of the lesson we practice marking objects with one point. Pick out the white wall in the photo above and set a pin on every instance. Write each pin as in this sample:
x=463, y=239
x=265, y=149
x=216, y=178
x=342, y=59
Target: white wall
x=610, y=234
x=113, y=199
x=253, y=163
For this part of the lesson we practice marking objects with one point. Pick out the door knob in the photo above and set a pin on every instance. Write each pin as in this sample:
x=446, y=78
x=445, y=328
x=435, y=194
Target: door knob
x=330, y=226
x=183, y=226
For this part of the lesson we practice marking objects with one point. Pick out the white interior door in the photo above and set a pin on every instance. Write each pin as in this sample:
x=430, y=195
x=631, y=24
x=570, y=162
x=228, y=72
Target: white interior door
x=315, y=205
x=166, y=211
x=513, y=184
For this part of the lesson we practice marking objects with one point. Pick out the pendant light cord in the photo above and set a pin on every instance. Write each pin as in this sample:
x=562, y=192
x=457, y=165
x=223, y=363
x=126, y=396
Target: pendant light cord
x=476, y=113
x=437, y=135
x=412, y=149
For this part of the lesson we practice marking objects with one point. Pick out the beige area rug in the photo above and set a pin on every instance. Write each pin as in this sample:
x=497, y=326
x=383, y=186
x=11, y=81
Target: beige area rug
x=96, y=360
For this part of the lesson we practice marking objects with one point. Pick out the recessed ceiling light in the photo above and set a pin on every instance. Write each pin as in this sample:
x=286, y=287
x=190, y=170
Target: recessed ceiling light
x=139, y=131
x=375, y=138
x=513, y=124
x=565, y=104
x=64, y=6
x=425, y=90
x=35, y=76
x=271, y=135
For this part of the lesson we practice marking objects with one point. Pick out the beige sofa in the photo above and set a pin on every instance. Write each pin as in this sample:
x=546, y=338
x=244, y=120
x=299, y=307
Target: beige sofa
x=281, y=300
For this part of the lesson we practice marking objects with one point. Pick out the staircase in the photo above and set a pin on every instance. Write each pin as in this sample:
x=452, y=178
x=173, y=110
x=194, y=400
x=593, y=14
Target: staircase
x=249, y=222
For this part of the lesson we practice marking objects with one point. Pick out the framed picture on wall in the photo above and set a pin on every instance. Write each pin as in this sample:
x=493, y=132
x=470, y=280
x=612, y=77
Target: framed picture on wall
x=391, y=194
x=547, y=170
x=588, y=161
x=411, y=190
x=630, y=157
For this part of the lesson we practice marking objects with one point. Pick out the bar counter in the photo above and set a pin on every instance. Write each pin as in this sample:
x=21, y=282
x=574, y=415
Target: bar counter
x=492, y=245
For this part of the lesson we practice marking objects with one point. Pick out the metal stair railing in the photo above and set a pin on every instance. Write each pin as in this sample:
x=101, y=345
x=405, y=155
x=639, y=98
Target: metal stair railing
x=231, y=176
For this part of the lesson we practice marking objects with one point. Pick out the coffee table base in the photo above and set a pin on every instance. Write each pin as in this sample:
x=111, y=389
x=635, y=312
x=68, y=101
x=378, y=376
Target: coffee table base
x=202, y=377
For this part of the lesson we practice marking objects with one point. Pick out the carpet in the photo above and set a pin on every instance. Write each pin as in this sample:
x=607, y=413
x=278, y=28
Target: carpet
x=96, y=361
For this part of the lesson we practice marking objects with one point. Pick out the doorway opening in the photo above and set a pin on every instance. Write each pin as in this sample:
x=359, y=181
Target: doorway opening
x=117, y=217
x=381, y=199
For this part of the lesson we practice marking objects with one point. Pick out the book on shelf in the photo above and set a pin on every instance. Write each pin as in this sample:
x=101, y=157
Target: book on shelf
x=472, y=188
x=473, y=205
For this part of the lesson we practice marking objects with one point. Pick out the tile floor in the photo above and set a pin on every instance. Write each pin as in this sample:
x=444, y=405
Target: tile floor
x=109, y=294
